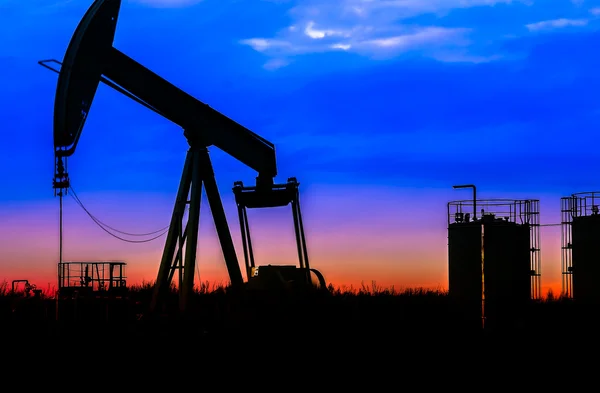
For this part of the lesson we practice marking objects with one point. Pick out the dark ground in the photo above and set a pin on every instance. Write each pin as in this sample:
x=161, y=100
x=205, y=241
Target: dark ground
x=359, y=340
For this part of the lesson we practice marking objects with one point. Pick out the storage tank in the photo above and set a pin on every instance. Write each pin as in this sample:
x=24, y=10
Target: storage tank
x=507, y=270
x=502, y=244
x=464, y=271
x=585, y=243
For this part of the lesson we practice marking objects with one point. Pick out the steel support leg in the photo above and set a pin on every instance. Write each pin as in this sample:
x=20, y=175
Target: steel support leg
x=249, y=238
x=191, y=242
x=163, y=280
x=218, y=213
x=297, y=233
x=197, y=171
x=302, y=237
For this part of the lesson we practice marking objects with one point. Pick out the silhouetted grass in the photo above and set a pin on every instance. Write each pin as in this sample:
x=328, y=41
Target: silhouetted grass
x=369, y=310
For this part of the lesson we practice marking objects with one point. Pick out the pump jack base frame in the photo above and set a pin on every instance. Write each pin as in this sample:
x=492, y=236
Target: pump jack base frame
x=197, y=171
x=278, y=195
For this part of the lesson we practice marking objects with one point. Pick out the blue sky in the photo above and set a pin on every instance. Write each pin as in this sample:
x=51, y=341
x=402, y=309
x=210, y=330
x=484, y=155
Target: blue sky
x=400, y=95
x=362, y=88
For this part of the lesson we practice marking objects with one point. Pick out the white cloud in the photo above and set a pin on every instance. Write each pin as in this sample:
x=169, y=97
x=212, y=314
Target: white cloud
x=341, y=46
x=167, y=3
x=310, y=31
x=264, y=44
x=368, y=27
x=419, y=37
x=556, y=24
x=595, y=11
x=371, y=42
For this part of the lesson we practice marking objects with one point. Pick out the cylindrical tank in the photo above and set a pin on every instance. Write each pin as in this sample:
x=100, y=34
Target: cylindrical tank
x=585, y=243
x=464, y=271
x=507, y=270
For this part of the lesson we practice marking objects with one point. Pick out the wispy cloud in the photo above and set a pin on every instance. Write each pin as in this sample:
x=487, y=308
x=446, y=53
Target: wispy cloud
x=266, y=44
x=314, y=33
x=595, y=11
x=556, y=24
x=419, y=37
x=364, y=42
x=375, y=28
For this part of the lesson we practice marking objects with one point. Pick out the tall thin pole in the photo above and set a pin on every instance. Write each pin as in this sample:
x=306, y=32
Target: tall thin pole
x=60, y=250
x=60, y=233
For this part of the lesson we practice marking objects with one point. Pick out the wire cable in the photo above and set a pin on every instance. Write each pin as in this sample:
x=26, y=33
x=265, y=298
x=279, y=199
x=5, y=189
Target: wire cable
x=114, y=229
x=112, y=234
x=74, y=196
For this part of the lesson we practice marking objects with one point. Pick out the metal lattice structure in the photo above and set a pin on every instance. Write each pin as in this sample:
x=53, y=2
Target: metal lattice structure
x=91, y=278
x=574, y=207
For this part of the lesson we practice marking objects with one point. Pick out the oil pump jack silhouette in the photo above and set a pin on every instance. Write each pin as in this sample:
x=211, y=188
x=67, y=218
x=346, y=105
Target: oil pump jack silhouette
x=90, y=59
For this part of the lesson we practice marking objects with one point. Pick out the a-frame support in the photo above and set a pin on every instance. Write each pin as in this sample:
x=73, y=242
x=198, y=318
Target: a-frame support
x=197, y=171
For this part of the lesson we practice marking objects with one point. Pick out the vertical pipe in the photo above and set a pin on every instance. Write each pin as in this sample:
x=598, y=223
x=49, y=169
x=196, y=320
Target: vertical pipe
x=474, y=197
x=538, y=242
x=482, y=275
x=97, y=276
x=111, y=276
x=474, y=202
x=448, y=245
x=563, y=238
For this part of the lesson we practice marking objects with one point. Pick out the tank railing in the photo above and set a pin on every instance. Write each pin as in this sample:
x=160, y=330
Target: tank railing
x=522, y=211
x=584, y=203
